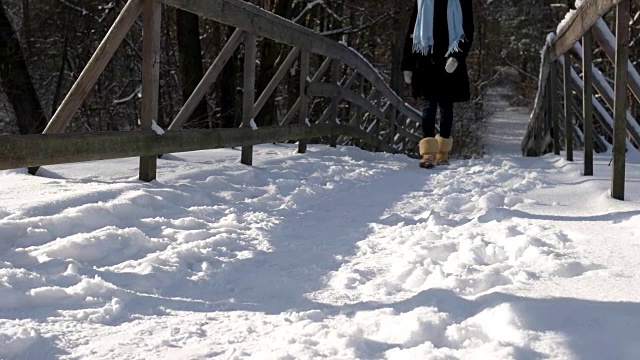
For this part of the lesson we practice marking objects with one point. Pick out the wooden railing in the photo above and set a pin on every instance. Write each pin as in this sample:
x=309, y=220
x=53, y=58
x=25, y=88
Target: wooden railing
x=620, y=131
x=389, y=127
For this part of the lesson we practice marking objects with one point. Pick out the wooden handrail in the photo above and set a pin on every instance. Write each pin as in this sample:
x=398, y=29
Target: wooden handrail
x=529, y=140
x=586, y=17
x=328, y=90
x=579, y=23
x=605, y=120
x=316, y=77
x=34, y=150
x=250, y=21
x=279, y=75
x=621, y=127
x=208, y=79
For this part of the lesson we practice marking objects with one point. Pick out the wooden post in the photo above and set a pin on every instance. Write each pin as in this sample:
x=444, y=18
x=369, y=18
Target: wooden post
x=620, y=103
x=568, y=108
x=335, y=80
x=376, y=125
x=548, y=106
x=555, y=122
x=152, y=14
x=545, y=113
x=319, y=73
x=249, y=91
x=304, y=98
x=587, y=106
x=358, y=118
x=539, y=134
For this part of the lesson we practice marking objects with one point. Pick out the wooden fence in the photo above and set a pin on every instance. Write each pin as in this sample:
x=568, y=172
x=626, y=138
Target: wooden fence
x=615, y=124
x=379, y=118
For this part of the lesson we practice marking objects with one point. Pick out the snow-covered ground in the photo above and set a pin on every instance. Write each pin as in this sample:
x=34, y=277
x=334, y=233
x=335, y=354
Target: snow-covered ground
x=334, y=254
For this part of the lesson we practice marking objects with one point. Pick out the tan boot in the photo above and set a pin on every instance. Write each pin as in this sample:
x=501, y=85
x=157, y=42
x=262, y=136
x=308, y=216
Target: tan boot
x=428, y=150
x=444, y=147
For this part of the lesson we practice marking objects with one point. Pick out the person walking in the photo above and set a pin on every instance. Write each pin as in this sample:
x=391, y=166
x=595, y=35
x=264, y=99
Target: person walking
x=434, y=63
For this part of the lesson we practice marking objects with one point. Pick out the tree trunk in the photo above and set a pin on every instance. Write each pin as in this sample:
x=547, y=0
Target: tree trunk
x=268, y=59
x=16, y=80
x=269, y=56
x=402, y=18
x=228, y=84
x=190, y=57
x=26, y=26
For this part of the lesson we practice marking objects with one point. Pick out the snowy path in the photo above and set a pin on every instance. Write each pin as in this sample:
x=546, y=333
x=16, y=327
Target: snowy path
x=335, y=254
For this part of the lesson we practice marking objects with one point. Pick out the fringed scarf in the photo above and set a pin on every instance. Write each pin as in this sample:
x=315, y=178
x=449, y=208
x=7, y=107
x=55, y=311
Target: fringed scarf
x=423, y=32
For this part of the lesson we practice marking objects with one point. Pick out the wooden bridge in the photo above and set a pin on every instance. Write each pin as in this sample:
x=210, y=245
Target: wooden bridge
x=379, y=117
x=606, y=108
x=376, y=116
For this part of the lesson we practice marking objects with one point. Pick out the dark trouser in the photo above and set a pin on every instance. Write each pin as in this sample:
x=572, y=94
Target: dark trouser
x=429, y=118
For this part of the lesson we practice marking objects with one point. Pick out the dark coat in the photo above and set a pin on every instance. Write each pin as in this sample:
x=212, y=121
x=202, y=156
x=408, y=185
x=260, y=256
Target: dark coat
x=430, y=80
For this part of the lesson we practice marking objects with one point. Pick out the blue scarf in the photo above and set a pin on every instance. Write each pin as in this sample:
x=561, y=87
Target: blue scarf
x=423, y=32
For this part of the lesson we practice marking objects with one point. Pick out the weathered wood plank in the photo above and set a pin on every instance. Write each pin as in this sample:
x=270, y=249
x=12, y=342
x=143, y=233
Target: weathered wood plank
x=253, y=19
x=330, y=90
x=319, y=74
x=603, y=36
x=587, y=106
x=605, y=120
x=150, y=80
x=249, y=86
x=392, y=125
x=279, y=75
x=326, y=115
x=21, y=151
x=555, y=106
x=596, y=138
x=581, y=21
x=404, y=133
x=94, y=68
x=336, y=66
x=288, y=118
x=548, y=95
x=568, y=108
x=352, y=79
x=623, y=15
x=208, y=79
x=358, y=116
x=600, y=113
x=528, y=145
x=387, y=110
